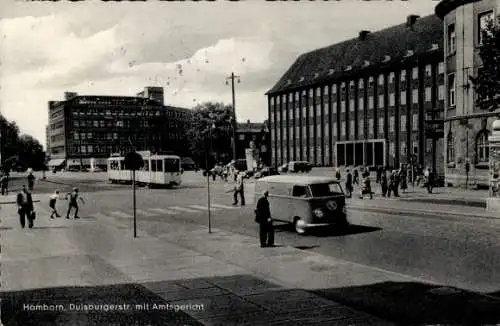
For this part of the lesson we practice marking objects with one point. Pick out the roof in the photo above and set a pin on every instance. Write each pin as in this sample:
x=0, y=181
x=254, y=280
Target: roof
x=315, y=67
x=297, y=179
x=446, y=6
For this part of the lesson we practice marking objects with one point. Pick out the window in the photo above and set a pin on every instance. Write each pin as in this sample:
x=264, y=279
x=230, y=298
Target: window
x=342, y=106
x=361, y=85
x=441, y=92
x=361, y=127
x=324, y=189
x=403, y=76
x=392, y=77
x=83, y=149
x=402, y=99
x=414, y=73
x=450, y=148
x=415, y=122
x=361, y=104
x=90, y=149
x=451, y=89
x=482, y=147
x=441, y=68
x=484, y=20
x=370, y=126
x=300, y=191
x=415, y=147
x=381, y=80
x=392, y=99
x=381, y=101
x=351, y=105
x=380, y=126
x=391, y=124
x=414, y=96
x=342, y=130
x=75, y=136
x=452, y=45
x=370, y=102
x=428, y=71
x=96, y=123
x=334, y=129
x=392, y=148
x=403, y=123
x=351, y=128
x=403, y=148
x=428, y=94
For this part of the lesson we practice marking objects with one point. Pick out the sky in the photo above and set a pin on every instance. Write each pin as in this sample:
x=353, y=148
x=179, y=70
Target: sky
x=189, y=48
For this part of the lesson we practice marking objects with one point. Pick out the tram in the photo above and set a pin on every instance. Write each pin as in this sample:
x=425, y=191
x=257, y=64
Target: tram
x=159, y=170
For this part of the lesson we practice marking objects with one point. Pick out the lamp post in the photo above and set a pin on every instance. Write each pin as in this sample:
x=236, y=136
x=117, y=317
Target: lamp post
x=209, y=148
x=232, y=77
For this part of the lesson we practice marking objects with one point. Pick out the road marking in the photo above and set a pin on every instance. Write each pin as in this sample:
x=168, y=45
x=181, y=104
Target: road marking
x=121, y=214
x=224, y=206
x=184, y=209
x=101, y=215
x=141, y=212
x=163, y=211
x=205, y=207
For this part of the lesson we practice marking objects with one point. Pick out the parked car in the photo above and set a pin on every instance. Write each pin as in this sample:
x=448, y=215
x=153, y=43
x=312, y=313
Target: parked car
x=265, y=172
x=283, y=168
x=299, y=166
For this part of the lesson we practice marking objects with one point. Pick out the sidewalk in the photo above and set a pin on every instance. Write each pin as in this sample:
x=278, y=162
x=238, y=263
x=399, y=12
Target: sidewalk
x=235, y=281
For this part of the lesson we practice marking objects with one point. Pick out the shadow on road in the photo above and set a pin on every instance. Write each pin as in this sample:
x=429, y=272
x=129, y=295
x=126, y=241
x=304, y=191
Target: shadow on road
x=412, y=303
x=332, y=231
x=49, y=227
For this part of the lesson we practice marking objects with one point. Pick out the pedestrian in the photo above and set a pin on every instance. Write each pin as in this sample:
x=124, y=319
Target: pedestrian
x=52, y=204
x=337, y=173
x=348, y=183
x=25, y=207
x=404, y=180
x=380, y=171
x=263, y=217
x=31, y=181
x=383, y=182
x=239, y=189
x=4, y=183
x=390, y=187
x=430, y=181
x=367, y=188
x=73, y=203
x=355, y=180
x=225, y=173
x=397, y=180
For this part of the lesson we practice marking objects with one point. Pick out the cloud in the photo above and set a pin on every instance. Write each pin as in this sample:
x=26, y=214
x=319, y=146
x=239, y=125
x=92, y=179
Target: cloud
x=97, y=48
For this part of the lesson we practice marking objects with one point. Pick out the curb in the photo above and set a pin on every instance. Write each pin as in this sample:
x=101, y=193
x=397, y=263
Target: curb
x=418, y=213
x=14, y=202
x=449, y=201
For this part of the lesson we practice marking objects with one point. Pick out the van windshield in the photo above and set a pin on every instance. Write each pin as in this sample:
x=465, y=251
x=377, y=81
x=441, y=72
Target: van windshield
x=326, y=189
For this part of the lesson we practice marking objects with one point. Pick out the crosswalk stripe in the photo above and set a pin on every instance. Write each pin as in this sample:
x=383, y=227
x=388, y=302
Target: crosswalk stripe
x=184, y=209
x=224, y=206
x=163, y=211
x=205, y=207
x=121, y=214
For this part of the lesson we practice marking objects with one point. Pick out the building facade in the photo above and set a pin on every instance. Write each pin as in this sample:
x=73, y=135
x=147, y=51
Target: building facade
x=82, y=128
x=376, y=100
x=258, y=133
x=467, y=126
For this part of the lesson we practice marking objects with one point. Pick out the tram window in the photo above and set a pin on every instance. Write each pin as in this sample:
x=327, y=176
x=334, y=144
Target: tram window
x=146, y=166
x=159, y=165
x=172, y=165
x=122, y=165
x=153, y=165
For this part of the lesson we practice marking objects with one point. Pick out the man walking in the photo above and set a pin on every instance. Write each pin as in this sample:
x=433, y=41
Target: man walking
x=239, y=189
x=4, y=183
x=263, y=217
x=348, y=183
x=355, y=181
x=430, y=181
x=31, y=181
x=73, y=202
x=25, y=207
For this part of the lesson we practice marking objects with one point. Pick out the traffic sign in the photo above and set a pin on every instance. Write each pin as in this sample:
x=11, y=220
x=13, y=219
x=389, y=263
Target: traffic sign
x=133, y=161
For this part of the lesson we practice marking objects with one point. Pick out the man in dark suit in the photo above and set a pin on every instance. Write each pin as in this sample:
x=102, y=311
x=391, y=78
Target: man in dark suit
x=263, y=217
x=25, y=207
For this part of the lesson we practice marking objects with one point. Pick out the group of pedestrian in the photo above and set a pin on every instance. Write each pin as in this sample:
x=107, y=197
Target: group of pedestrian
x=4, y=184
x=353, y=179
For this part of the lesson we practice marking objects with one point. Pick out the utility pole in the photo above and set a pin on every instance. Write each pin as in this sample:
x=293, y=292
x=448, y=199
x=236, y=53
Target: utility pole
x=232, y=77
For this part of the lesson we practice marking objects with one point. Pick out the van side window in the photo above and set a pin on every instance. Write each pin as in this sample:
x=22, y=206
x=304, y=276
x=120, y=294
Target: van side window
x=299, y=191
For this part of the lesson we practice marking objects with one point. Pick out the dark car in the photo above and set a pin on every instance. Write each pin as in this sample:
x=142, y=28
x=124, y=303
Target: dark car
x=265, y=172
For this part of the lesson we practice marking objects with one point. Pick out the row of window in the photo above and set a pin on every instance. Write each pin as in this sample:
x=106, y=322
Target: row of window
x=148, y=112
x=483, y=20
x=482, y=147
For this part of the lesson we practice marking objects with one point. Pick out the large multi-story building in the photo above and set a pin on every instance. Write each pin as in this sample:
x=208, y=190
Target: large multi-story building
x=374, y=100
x=82, y=128
x=467, y=126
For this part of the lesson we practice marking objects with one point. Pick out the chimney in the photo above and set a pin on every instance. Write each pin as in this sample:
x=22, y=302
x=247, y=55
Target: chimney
x=411, y=19
x=69, y=95
x=363, y=34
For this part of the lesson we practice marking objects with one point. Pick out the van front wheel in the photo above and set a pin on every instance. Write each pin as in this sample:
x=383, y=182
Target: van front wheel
x=298, y=225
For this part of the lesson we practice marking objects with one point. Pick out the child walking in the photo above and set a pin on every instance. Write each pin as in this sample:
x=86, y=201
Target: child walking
x=52, y=204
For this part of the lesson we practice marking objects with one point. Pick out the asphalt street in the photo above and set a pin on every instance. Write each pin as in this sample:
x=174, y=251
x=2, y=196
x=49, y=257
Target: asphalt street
x=460, y=252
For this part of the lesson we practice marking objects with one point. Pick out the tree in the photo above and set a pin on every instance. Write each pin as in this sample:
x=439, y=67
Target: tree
x=31, y=152
x=210, y=132
x=487, y=82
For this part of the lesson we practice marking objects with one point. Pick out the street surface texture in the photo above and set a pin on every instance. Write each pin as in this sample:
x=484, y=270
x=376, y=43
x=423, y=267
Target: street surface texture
x=402, y=267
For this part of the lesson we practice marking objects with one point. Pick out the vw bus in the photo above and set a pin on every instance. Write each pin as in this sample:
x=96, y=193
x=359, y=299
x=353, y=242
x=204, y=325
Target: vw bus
x=306, y=201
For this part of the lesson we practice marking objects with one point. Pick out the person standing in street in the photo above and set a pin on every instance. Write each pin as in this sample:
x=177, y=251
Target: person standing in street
x=337, y=174
x=263, y=217
x=348, y=183
x=390, y=186
x=4, y=183
x=383, y=182
x=404, y=180
x=73, y=203
x=430, y=181
x=31, y=181
x=52, y=204
x=367, y=188
x=239, y=189
x=25, y=207
x=355, y=180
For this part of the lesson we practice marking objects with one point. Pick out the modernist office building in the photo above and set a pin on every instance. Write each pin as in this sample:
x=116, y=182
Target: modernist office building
x=377, y=99
x=82, y=128
x=467, y=126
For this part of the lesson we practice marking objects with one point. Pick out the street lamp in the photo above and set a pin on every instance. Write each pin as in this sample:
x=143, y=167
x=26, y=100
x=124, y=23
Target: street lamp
x=212, y=126
x=232, y=77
